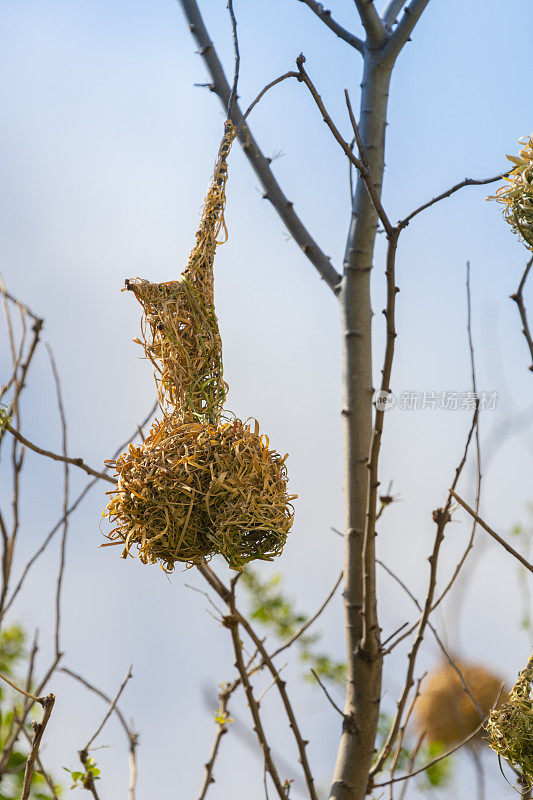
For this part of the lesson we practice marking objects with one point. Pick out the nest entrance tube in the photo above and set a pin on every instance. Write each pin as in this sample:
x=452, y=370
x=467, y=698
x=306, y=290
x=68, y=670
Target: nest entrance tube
x=203, y=482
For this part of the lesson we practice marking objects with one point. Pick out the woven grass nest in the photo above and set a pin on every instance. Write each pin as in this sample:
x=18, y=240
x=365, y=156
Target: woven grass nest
x=517, y=194
x=510, y=727
x=203, y=482
x=445, y=711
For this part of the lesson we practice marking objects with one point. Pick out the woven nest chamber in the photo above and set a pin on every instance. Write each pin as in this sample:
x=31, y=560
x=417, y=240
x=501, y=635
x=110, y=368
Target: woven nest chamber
x=517, y=194
x=445, y=711
x=203, y=482
x=510, y=727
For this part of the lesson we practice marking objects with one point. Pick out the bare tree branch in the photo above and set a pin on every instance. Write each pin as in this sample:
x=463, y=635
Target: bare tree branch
x=404, y=29
x=455, y=188
x=77, y=462
x=309, y=621
x=391, y=12
x=494, y=535
x=40, y=550
x=232, y=622
x=223, y=696
x=259, y=163
x=131, y=734
x=38, y=731
x=112, y=707
x=65, y=498
x=331, y=700
x=301, y=743
x=441, y=517
x=444, y=755
x=518, y=298
x=371, y=22
x=325, y=15
x=233, y=94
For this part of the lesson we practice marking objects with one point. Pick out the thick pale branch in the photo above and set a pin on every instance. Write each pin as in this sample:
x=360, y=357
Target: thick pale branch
x=390, y=13
x=371, y=22
x=404, y=29
x=325, y=15
x=260, y=164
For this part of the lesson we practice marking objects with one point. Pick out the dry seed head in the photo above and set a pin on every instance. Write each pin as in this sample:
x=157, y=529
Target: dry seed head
x=445, y=711
x=517, y=195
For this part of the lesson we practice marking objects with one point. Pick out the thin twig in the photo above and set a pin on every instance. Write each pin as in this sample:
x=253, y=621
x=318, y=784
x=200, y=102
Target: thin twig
x=331, y=700
x=232, y=623
x=441, y=517
x=131, y=734
x=77, y=462
x=63, y=546
x=225, y=594
x=455, y=188
x=38, y=731
x=111, y=708
x=18, y=689
x=309, y=621
x=444, y=755
x=518, y=298
x=324, y=14
x=40, y=550
x=493, y=533
x=233, y=96
x=223, y=696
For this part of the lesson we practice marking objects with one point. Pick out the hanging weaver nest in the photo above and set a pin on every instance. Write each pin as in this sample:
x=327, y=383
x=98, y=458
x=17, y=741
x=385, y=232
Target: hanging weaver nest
x=203, y=482
x=445, y=711
x=510, y=727
x=517, y=195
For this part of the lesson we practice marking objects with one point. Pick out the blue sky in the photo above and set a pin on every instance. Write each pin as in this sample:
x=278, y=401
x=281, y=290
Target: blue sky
x=107, y=149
